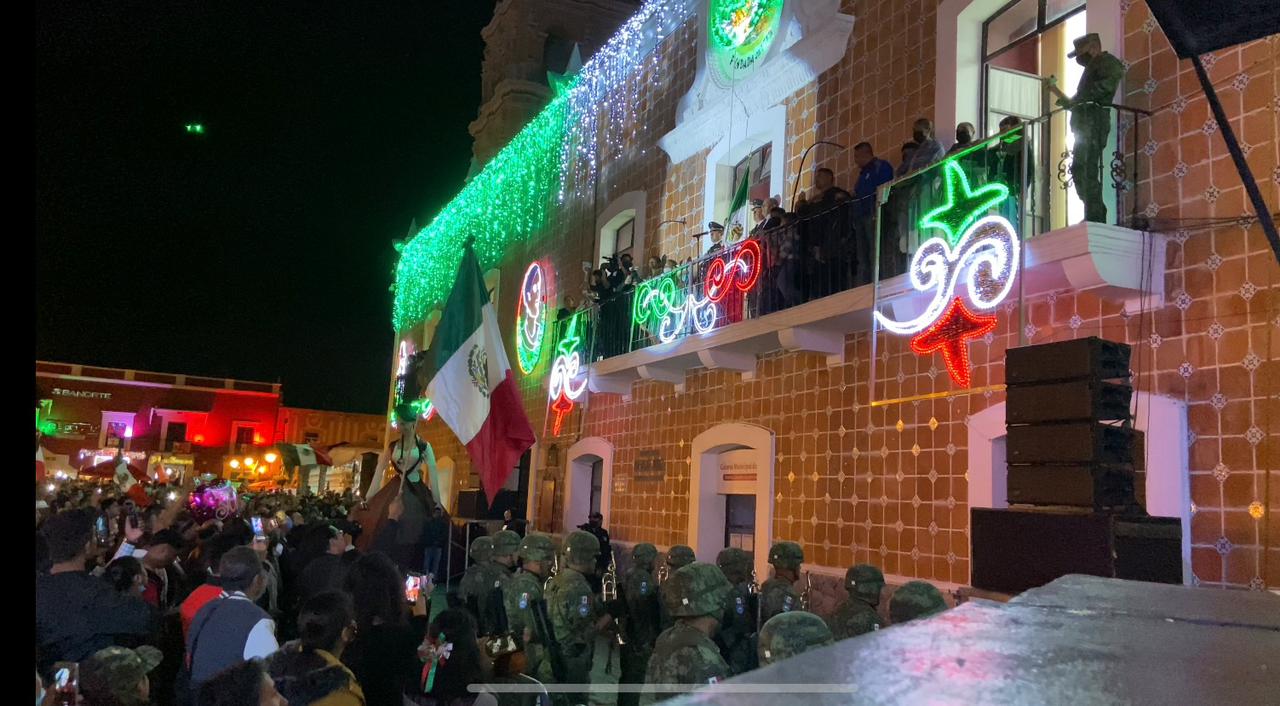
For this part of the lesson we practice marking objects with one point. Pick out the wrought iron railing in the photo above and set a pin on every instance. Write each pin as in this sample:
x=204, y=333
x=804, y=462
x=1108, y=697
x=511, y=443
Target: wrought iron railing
x=832, y=247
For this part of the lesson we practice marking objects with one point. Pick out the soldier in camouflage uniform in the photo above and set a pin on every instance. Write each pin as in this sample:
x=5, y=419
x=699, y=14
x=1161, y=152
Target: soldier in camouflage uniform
x=916, y=599
x=778, y=594
x=857, y=615
x=525, y=587
x=738, y=626
x=576, y=614
x=788, y=634
x=496, y=577
x=678, y=557
x=640, y=593
x=472, y=579
x=685, y=653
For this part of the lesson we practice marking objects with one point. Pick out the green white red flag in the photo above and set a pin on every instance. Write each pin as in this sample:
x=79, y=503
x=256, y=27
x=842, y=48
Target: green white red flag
x=471, y=385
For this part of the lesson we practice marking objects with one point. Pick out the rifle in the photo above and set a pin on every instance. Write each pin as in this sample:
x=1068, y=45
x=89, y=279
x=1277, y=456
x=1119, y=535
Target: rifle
x=547, y=636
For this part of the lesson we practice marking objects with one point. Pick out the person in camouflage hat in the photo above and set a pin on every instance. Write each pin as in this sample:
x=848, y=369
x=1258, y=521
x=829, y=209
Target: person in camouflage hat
x=916, y=599
x=524, y=589
x=494, y=576
x=478, y=578
x=576, y=614
x=640, y=594
x=685, y=652
x=857, y=615
x=117, y=675
x=738, y=626
x=788, y=634
x=778, y=594
x=678, y=556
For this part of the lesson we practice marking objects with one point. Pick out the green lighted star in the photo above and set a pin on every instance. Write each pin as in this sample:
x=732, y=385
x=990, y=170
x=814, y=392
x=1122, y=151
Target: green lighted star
x=562, y=83
x=963, y=205
x=195, y=128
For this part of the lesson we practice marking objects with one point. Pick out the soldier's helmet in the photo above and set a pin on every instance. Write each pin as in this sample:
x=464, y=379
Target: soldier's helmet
x=644, y=553
x=680, y=556
x=581, y=547
x=695, y=590
x=916, y=599
x=481, y=549
x=537, y=547
x=788, y=634
x=505, y=543
x=786, y=555
x=864, y=581
x=735, y=563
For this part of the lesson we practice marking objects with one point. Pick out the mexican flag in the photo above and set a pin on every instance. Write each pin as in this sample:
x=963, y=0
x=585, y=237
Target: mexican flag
x=471, y=384
x=296, y=455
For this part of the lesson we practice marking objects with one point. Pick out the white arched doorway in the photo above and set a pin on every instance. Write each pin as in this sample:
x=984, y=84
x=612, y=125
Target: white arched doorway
x=590, y=467
x=1163, y=422
x=445, y=468
x=731, y=460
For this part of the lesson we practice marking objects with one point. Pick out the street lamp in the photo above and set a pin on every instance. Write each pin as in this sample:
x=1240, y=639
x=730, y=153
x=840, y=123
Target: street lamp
x=270, y=457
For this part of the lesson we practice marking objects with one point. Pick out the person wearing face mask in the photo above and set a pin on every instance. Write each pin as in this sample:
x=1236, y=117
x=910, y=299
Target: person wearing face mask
x=1090, y=119
x=928, y=150
x=231, y=628
x=964, y=137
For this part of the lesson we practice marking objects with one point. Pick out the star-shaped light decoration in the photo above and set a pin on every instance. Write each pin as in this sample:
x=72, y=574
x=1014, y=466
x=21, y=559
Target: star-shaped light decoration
x=561, y=83
x=963, y=206
x=951, y=334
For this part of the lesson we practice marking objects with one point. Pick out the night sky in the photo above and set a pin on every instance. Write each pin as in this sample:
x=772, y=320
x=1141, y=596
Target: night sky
x=260, y=250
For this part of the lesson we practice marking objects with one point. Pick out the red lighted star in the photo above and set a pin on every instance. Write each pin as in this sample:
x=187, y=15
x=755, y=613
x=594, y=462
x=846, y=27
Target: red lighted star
x=951, y=334
x=562, y=406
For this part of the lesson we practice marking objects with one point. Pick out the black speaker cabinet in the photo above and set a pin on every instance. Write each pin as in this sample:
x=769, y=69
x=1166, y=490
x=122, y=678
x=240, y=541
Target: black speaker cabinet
x=1015, y=550
x=1091, y=358
x=1094, y=487
x=1074, y=443
x=1075, y=400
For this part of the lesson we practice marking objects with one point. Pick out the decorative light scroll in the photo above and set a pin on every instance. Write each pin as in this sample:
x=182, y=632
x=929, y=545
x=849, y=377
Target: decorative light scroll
x=568, y=379
x=740, y=271
x=663, y=308
x=531, y=318
x=983, y=256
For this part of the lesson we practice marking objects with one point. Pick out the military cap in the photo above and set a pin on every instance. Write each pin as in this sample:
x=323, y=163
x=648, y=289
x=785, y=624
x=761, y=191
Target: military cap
x=788, y=634
x=786, y=555
x=695, y=590
x=116, y=671
x=733, y=560
x=644, y=552
x=1082, y=42
x=680, y=555
x=537, y=547
x=714, y=226
x=505, y=543
x=865, y=581
x=481, y=548
x=916, y=599
x=581, y=546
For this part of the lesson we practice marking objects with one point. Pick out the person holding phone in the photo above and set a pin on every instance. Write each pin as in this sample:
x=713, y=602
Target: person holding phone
x=78, y=614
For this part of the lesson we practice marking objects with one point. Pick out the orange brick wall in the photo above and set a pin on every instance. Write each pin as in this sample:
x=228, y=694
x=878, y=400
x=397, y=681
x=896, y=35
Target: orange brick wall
x=889, y=484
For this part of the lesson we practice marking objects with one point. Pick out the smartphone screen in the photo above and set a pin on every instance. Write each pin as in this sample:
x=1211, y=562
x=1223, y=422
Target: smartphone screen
x=412, y=587
x=257, y=525
x=66, y=678
x=100, y=527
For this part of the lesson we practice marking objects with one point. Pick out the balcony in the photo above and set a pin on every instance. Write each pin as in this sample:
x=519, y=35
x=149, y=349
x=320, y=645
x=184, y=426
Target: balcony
x=964, y=225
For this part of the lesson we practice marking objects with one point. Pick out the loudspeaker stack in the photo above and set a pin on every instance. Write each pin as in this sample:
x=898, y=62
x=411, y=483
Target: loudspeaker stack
x=1074, y=476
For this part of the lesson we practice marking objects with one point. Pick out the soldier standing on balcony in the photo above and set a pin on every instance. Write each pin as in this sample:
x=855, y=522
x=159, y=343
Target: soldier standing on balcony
x=1090, y=119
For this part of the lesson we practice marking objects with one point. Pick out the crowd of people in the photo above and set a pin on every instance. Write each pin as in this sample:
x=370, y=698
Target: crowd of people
x=825, y=244
x=274, y=604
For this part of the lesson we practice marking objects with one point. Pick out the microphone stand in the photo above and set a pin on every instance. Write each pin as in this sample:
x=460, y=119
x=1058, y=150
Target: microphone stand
x=800, y=171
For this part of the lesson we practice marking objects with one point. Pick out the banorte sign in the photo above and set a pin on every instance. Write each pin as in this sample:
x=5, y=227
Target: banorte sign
x=739, y=36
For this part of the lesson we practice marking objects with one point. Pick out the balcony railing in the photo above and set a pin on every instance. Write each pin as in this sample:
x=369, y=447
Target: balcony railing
x=1023, y=175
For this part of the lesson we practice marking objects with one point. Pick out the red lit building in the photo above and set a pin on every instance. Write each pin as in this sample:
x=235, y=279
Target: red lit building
x=163, y=422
